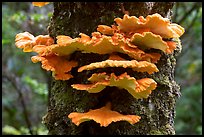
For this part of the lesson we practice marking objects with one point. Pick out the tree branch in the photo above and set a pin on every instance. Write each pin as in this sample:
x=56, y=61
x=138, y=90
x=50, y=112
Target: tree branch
x=15, y=82
x=187, y=13
x=193, y=21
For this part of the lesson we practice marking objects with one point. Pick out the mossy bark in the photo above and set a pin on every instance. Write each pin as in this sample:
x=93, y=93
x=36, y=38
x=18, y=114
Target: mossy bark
x=157, y=112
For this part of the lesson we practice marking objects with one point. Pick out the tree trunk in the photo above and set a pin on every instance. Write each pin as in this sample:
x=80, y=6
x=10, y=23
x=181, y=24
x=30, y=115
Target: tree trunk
x=157, y=111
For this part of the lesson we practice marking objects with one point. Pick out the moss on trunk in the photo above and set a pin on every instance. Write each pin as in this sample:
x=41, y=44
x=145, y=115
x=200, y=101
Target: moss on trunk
x=157, y=112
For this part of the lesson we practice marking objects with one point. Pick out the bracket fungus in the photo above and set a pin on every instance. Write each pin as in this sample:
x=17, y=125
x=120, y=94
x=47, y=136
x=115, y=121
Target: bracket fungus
x=137, y=88
x=130, y=36
x=150, y=40
x=141, y=66
x=154, y=23
x=104, y=116
x=101, y=44
x=59, y=65
x=27, y=41
x=40, y=4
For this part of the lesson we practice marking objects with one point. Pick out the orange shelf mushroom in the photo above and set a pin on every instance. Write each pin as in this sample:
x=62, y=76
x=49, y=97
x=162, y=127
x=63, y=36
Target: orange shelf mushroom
x=137, y=88
x=141, y=66
x=44, y=40
x=150, y=40
x=59, y=65
x=104, y=116
x=106, y=30
x=27, y=41
x=40, y=4
x=131, y=36
x=101, y=44
x=43, y=50
x=154, y=23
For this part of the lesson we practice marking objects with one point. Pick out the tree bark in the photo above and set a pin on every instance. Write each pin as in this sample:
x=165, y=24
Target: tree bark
x=157, y=111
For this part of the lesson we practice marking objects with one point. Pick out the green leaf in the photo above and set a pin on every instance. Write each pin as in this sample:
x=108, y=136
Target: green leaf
x=9, y=130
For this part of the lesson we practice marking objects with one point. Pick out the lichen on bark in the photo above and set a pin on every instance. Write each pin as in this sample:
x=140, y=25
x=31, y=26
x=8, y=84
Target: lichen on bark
x=157, y=112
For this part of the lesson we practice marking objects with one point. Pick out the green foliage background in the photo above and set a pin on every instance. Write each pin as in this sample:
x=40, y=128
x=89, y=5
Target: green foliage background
x=32, y=80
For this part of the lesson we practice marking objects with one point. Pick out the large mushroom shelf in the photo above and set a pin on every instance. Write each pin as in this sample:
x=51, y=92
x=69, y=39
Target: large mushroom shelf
x=131, y=36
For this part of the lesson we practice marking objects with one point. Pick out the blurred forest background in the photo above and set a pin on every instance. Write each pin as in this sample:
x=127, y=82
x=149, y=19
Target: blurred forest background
x=25, y=85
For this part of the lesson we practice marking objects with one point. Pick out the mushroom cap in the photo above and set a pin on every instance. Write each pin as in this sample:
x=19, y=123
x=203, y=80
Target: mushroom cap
x=106, y=30
x=40, y=4
x=101, y=44
x=150, y=40
x=141, y=66
x=155, y=23
x=104, y=116
x=59, y=65
x=137, y=88
x=27, y=41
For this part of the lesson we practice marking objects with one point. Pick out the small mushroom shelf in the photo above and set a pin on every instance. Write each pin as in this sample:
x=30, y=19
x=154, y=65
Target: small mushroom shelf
x=131, y=36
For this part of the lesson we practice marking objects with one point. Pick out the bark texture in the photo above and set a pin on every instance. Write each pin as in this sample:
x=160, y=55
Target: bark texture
x=157, y=112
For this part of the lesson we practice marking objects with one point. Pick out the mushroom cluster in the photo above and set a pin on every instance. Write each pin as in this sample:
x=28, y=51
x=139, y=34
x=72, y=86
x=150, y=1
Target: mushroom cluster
x=131, y=36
